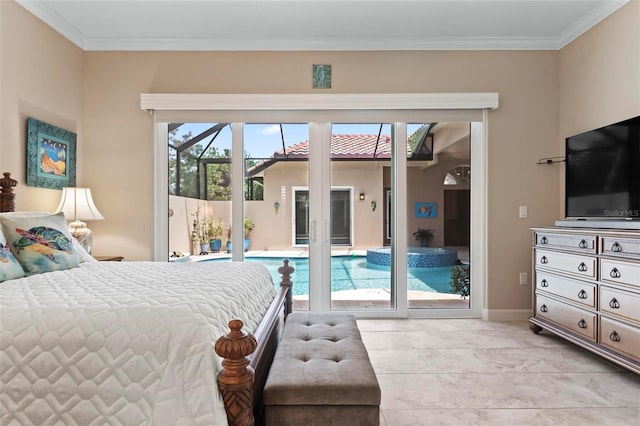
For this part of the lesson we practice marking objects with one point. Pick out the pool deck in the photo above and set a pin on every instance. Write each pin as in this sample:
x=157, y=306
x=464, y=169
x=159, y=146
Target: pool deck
x=463, y=254
x=291, y=254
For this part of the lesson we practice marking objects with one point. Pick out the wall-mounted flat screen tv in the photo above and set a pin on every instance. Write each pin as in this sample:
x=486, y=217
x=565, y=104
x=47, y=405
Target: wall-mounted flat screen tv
x=603, y=172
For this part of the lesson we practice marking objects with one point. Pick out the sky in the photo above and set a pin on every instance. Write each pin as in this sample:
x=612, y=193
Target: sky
x=262, y=140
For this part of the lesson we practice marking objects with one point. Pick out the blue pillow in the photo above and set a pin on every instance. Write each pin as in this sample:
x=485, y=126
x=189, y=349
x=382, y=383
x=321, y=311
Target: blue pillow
x=9, y=266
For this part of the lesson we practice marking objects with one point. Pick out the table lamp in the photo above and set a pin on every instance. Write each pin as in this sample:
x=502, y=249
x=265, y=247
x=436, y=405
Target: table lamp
x=77, y=205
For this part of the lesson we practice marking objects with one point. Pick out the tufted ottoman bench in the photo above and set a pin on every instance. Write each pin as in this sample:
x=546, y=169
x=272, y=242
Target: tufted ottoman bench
x=321, y=374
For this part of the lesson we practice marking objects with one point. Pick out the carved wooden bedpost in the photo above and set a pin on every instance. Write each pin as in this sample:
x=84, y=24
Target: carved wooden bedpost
x=236, y=378
x=7, y=197
x=285, y=271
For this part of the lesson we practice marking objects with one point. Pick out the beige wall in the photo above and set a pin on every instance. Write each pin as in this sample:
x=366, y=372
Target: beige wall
x=600, y=77
x=543, y=95
x=41, y=76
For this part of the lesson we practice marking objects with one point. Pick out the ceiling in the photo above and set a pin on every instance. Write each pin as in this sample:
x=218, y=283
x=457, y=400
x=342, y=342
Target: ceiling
x=321, y=24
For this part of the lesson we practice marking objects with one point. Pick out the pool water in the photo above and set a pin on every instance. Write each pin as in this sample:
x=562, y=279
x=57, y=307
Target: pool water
x=352, y=273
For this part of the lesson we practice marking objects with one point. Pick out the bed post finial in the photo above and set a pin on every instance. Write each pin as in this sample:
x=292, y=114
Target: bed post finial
x=285, y=271
x=7, y=197
x=236, y=378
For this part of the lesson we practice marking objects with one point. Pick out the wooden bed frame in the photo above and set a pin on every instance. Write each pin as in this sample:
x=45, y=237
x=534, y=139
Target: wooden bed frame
x=246, y=358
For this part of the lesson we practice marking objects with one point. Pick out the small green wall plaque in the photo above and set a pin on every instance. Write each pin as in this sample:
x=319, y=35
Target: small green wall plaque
x=321, y=76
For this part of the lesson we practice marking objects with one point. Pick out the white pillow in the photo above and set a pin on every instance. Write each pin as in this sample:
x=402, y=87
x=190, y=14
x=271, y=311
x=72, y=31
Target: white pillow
x=24, y=214
x=83, y=255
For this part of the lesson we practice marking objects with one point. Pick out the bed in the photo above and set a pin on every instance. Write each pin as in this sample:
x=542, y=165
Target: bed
x=133, y=342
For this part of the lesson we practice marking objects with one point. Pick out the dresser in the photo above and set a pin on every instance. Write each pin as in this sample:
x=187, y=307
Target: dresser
x=587, y=289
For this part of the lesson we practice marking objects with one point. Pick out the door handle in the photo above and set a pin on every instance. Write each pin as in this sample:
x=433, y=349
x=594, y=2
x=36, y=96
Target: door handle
x=327, y=231
x=312, y=230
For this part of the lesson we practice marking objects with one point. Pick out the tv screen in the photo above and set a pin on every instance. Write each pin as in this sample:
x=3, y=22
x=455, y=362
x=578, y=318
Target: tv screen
x=603, y=172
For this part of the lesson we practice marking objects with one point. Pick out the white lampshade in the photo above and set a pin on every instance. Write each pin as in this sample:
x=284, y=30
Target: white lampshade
x=77, y=205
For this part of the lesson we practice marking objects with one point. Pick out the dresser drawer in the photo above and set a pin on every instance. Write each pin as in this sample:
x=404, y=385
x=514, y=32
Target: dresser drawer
x=620, y=272
x=579, y=265
x=619, y=302
x=620, y=337
x=575, y=319
x=581, y=243
x=623, y=247
x=577, y=291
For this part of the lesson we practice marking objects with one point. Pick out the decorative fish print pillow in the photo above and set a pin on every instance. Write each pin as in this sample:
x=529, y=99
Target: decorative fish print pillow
x=9, y=266
x=41, y=244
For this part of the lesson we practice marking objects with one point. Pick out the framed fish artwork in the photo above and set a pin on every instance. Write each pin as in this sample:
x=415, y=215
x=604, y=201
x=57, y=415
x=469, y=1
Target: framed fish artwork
x=428, y=210
x=51, y=155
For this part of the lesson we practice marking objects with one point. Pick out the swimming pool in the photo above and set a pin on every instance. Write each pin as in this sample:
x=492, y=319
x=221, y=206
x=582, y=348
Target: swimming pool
x=352, y=273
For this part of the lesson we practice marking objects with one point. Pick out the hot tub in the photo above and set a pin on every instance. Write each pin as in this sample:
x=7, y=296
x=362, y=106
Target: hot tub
x=417, y=257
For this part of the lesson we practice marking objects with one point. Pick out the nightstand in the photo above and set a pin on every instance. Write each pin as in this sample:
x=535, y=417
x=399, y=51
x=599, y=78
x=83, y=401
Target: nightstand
x=109, y=258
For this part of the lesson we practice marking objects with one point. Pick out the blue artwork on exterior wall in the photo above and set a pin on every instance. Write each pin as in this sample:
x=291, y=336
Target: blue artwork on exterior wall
x=426, y=210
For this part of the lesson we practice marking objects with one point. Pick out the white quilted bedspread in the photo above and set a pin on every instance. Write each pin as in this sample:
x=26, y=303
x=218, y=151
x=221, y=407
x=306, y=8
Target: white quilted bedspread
x=122, y=342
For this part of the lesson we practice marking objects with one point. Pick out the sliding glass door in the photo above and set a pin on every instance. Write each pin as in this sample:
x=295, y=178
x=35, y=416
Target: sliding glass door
x=350, y=205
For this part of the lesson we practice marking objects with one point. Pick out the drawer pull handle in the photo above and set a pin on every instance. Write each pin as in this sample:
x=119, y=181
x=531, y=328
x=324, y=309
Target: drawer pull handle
x=614, y=304
x=616, y=247
x=544, y=260
x=582, y=295
x=582, y=324
x=544, y=283
x=583, y=244
x=582, y=267
x=544, y=240
x=614, y=336
x=615, y=273
x=543, y=308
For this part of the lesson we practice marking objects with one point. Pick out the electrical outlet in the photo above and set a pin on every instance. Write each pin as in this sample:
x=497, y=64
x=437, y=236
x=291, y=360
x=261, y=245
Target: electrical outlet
x=522, y=212
x=524, y=280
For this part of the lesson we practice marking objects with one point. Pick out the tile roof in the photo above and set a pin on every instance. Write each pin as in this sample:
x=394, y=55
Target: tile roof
x=349, y=147
x=345, y=146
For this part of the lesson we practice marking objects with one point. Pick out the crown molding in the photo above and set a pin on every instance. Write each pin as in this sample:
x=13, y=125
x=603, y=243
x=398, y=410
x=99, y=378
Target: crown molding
x=300, y=44
x=601, y=12
x=41, y=11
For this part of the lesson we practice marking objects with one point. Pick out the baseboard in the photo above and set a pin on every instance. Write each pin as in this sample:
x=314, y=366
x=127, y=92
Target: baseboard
x=506, y=314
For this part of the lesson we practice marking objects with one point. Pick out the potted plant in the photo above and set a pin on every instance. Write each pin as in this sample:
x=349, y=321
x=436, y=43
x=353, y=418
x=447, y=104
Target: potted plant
x=228, y=244
x=424, y=236
x=460, y=279
x=215, y=228
x=248, y=227
x=200, y=232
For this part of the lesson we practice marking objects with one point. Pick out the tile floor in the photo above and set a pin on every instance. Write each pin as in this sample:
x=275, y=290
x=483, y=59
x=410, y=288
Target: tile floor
x=474, y=372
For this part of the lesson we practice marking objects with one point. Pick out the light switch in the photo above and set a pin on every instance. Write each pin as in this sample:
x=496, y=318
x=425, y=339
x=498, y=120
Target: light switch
x=523, y=212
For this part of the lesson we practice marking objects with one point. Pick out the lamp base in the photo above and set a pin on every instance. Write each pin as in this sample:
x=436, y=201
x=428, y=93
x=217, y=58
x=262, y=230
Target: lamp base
x=83, y=234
